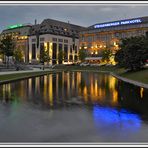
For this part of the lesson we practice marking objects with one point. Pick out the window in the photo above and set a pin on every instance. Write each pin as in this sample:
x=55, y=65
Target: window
x=65, y=41
x=60, y=40
x=33, y=51
x=60, y=47
x=70, y=48
x=54, y=53
x=54, y=39
x=41, y=39
x=76, y=57
x=41, y=48
x=65, y=53
x=75, y=49
x=33, y=40
x=70, y=57
x=89, y=38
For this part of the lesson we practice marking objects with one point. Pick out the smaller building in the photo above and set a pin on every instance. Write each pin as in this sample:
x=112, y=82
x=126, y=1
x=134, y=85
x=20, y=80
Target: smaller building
x=20, y=34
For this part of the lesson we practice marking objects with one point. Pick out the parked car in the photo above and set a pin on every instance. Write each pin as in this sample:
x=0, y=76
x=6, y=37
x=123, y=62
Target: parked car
x=84, y=64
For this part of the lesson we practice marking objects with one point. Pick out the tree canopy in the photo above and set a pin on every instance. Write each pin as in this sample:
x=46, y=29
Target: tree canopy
x=7, y=46
x=60, y=56
x=106, y=55
x=18, y=55
x=133, y=52
x=44, y=57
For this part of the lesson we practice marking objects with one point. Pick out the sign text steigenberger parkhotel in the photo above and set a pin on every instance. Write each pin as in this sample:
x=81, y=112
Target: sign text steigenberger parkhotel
x=118, y=23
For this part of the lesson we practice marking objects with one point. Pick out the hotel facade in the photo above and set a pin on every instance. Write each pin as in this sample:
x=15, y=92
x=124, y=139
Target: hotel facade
x=55, y=36
x=108, y=35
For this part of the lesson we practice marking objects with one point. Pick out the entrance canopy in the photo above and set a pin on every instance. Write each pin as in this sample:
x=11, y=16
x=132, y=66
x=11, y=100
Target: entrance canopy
x=93, y=58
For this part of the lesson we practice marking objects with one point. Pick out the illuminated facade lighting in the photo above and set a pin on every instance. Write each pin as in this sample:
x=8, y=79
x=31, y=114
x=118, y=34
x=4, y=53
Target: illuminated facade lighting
x=14, y=26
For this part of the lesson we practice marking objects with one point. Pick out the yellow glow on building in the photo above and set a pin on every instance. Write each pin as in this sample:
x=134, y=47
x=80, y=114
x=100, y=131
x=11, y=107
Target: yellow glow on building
x=50, y=49
x=96, y=52
x=85, y=47
x=100, y=46
x=45, y=46
x=30, y=57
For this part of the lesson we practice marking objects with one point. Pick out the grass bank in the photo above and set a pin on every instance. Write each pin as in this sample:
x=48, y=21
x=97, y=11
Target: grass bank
x=18, y=76
x=140, y=76
x=91, y=68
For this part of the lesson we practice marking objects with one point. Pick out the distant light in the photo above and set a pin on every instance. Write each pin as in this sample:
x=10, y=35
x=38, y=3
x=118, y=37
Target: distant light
x=96, y=52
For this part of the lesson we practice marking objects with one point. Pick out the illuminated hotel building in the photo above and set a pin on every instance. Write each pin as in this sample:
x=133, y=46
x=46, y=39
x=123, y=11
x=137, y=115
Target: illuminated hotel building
x=20, y=33
x=54, y=36
x=108, y=35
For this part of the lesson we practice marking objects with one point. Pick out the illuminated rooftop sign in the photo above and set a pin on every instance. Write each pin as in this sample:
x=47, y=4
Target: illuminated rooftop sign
x=14, y=26
x=134, y=21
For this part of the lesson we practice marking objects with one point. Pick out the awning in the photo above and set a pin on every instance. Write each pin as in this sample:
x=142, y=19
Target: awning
x=93, y=58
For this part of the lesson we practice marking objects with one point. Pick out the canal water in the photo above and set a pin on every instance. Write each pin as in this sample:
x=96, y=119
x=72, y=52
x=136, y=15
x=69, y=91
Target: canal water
x=73, y=107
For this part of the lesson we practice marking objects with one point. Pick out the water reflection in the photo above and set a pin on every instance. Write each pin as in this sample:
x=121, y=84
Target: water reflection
x=78, y=88
x=84, y=106
x=133, y=97
x=121, y=118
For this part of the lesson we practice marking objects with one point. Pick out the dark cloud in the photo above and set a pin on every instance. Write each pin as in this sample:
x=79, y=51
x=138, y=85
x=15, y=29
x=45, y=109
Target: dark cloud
x=84, y=15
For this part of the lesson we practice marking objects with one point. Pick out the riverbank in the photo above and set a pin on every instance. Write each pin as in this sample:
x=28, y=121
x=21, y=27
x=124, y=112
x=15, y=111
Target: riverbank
x=139, y=78
x=6, y=77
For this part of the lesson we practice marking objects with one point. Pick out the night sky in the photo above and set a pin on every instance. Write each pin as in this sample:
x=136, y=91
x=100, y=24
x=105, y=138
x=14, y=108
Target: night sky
x=83, y=15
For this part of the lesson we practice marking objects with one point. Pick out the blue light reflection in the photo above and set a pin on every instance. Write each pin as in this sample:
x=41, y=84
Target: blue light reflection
x=104, y=116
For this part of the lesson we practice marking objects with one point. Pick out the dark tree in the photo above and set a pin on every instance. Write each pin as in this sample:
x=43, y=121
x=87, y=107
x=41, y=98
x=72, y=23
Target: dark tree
x=7, y=47
x=133, y=53
x=106, y=55
x=60, y=56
